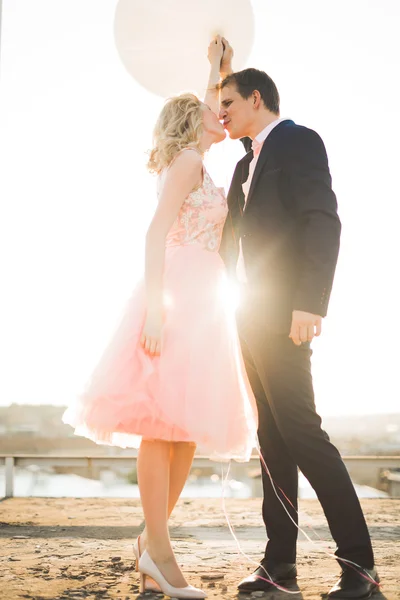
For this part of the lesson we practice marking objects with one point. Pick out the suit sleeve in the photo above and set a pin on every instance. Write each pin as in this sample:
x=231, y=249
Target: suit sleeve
x=317, y=223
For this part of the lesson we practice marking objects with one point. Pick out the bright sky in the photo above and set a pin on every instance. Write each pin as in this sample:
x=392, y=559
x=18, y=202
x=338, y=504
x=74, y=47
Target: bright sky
x=76, y=196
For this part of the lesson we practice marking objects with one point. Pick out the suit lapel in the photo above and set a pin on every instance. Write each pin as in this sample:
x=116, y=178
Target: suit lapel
x=263, y=160
x=242, y=177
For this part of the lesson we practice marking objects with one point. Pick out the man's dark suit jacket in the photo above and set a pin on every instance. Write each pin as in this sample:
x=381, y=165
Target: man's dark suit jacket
x=289, y=228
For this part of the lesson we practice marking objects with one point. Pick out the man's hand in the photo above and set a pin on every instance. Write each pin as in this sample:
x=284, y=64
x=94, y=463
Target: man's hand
x=304, y=327
x=226, y=63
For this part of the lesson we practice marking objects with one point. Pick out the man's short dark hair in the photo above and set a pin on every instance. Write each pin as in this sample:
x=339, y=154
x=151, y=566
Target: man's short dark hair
x=249, y=80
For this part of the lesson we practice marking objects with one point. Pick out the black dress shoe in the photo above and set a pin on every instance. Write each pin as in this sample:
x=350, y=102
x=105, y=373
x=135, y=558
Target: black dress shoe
x=280, y=573
x=354, y=584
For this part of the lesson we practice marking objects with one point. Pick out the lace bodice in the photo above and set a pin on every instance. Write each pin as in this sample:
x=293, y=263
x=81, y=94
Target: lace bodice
x=201, y=217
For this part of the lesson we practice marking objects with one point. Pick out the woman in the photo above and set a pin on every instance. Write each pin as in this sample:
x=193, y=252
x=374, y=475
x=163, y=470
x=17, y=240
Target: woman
x=173, y=376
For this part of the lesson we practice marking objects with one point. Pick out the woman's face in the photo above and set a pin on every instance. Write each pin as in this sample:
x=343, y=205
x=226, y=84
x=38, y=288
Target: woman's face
x=211, y=126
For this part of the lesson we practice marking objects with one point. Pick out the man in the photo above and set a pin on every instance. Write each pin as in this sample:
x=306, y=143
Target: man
x=281, y=239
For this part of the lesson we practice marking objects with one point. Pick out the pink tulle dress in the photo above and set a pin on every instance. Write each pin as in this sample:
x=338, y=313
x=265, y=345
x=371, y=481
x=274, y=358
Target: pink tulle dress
x=197, y=389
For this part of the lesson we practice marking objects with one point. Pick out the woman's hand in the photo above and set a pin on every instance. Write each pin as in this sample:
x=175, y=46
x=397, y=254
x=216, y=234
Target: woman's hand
x=151, y=335
x=215, y=51
x=226, y=62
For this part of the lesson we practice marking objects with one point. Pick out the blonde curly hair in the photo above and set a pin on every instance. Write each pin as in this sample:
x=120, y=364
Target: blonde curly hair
x=179, y=125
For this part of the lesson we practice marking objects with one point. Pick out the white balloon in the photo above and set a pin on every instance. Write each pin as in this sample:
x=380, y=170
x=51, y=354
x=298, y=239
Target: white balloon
x=163, y=43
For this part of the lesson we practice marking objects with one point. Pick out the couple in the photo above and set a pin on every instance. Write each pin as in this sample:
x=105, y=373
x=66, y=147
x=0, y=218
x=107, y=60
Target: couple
x=175, y=374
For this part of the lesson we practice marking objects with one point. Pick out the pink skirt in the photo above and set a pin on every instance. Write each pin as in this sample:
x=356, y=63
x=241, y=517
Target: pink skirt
x=197, y=389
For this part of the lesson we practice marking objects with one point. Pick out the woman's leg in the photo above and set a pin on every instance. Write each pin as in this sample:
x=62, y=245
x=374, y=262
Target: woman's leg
x=153, y=467
x=181, y=461
x=181, y=458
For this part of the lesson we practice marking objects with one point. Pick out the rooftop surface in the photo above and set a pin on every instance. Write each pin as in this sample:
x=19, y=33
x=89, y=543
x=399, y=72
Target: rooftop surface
x=65, y=548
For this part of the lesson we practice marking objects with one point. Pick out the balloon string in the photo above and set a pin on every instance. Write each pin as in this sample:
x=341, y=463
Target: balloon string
x=268, y=578
x=361, y=570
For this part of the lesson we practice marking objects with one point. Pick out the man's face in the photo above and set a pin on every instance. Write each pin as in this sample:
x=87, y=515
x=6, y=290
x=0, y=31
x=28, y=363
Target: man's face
x=236, y=113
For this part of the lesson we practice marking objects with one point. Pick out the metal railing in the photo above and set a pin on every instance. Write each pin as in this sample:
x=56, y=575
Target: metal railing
x=376, y=463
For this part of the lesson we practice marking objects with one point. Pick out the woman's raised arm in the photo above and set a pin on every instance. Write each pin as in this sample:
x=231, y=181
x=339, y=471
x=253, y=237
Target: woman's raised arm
x=215, y=54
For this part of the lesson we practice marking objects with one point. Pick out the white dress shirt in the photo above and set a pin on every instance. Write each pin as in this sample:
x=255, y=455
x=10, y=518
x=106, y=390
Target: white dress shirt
x=256, y=145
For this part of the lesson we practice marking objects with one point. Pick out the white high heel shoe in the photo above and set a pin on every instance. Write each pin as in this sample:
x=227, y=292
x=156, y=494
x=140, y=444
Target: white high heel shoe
x=148, y=568
x=150, y=587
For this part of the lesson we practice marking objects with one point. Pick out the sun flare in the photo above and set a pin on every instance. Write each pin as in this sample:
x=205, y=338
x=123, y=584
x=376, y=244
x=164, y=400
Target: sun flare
x=230, y=294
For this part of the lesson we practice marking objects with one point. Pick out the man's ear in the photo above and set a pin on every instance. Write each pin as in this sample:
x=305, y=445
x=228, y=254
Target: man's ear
x=256, y=99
